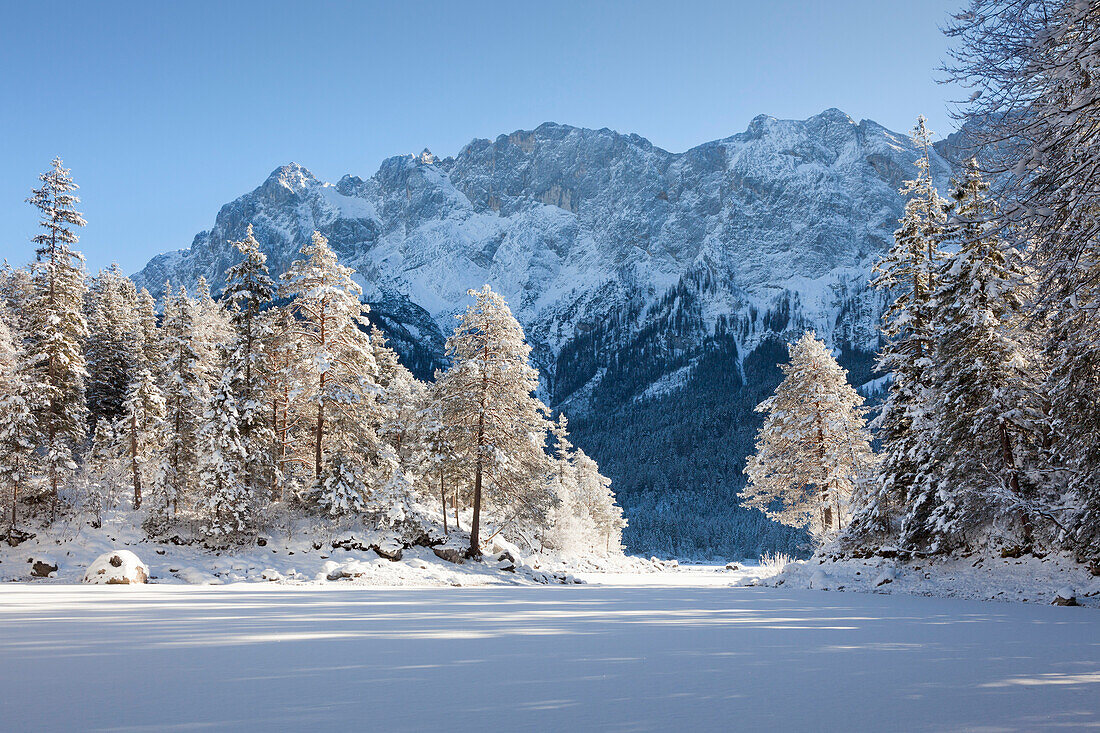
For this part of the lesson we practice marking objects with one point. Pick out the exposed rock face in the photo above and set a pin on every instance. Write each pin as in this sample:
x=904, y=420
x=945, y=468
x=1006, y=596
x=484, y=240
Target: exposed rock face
x=629, y=266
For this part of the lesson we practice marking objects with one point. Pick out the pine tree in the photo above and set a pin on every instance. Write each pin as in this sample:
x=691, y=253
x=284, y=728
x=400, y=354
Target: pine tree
x=146, y=315
x=1035, y=117
x=569, y=525
x=248, y=291
x=212, y=337
x=140, y=429
x=986, y=418
x=58, y=328
x=102, y=472
x=330, y=329
x=286, y=376
x=17, y=426
x=114, y=348
x=813, y=449
x=342, y=489
x=488, y=399
x=184, y=396
x=228, y=506
x=594, y=490
x=441, y=470
x=905, y=495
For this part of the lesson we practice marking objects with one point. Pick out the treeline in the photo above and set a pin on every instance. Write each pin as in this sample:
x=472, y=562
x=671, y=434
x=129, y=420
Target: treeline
x=210, y=418
x=990, y=432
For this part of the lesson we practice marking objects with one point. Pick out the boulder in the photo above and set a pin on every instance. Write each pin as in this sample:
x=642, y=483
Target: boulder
x=449, y=554
x=390, y=550
x=1065, y=597
x=505, y=561
x=41, y=567
x=120, y=567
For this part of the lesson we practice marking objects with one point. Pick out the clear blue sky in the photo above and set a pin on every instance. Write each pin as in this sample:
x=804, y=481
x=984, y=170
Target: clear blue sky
x=166, y=111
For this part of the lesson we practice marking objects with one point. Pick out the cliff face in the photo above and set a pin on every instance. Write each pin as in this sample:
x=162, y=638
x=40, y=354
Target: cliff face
x=630, y=267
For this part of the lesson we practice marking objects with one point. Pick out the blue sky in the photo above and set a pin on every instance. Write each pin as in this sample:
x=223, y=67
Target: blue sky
x=166, y=111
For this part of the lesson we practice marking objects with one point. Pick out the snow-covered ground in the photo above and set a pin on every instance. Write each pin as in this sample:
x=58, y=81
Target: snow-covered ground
x=252, y=656
x=1027, y=579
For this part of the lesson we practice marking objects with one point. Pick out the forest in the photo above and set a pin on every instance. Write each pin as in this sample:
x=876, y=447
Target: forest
x=216, y=420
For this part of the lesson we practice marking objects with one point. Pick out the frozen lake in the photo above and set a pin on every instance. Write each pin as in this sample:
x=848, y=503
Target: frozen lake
x=622, y=657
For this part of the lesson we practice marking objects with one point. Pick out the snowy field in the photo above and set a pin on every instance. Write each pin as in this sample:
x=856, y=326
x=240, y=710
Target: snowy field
x=626, y=654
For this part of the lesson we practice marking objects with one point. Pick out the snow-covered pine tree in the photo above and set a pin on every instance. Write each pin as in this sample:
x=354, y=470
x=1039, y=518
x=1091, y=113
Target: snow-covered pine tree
x=248, y=291
x=212, y=336
x=57, y=328
x=330, y=329
x=569, y=527
x=987, y=418
x=905, y=495
x=146, y=314
x=813, y=449
x=228, y=507
x=140, y=430
x=594, y=491
x=17, y=427
x=441, y=470
x=399, y=409
x=286, y=377
x=183, y=392
x=102, y=472
x=17, y=292
x=341, y=489
x=488, y=400
x=1036, y=117
x=114, y=348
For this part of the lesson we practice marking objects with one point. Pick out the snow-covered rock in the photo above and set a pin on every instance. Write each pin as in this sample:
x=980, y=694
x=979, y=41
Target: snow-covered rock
x=1066, y=596
x=42, y=566
x=120, y=567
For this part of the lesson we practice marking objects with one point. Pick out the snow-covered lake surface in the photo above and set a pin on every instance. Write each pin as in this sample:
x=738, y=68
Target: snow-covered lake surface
x=675, y=651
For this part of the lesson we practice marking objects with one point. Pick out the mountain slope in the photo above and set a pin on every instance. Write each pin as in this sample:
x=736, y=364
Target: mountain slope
x=651, y=283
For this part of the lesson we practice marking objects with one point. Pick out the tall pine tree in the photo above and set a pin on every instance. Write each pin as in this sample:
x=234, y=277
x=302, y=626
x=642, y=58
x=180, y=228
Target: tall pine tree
x=58, y=328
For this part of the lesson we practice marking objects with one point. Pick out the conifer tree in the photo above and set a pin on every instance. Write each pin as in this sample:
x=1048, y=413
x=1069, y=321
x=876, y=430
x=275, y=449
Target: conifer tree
x=330, y=330
x=115, y=346
x=987, y=417
x=184, y=394
x=146, y=316
x=488, y=400
x=286, y=377
x=1035, y=117
x=906, y=493
x=140, y=429
x=813, y=449
x=58, y=328
x=102, y=471
x=228, y=506
x=17, y=427
x=594, y=491
x=248, y=291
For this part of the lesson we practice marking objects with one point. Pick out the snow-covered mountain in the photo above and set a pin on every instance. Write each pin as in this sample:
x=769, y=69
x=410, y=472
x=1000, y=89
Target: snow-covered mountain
x=635, y=271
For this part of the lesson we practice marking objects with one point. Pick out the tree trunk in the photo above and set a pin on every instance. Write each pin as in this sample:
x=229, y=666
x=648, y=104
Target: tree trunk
x=454, y=505
x=443, y=498
x=14, y=498
x=317, y=445
x=1009, y=458
x=134, y=461
x=320, y=404
x=475, y=549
